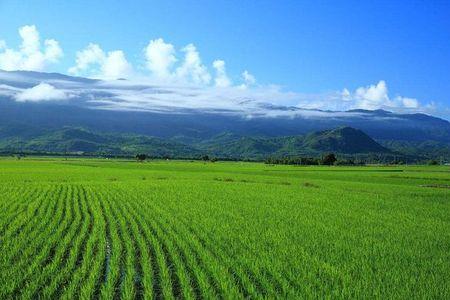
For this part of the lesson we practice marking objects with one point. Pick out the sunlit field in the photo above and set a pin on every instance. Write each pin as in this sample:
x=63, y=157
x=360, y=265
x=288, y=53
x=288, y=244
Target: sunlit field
x=178, y=229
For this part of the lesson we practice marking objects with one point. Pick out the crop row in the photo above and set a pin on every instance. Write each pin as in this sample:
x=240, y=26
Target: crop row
x=75, y=240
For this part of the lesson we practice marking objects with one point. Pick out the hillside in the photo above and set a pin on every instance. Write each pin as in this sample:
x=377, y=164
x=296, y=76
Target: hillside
x=343, y=140
x=79, y=140
x=169, y=119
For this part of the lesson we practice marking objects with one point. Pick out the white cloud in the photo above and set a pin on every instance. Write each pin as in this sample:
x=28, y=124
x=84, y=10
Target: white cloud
x=41, y=92
x=346, y=96
x=52, y=51
x=30, y=39
x=162, y=62
x=178, y=75
x=374, y=96
x=248, y=79
x=30, y=56
x=408, y=102
x=175, y=98
x=116, y=65
x=192, y=69
x=160, y=57
x=221, y=79
x=92, y=54
x=371, y=97
x=8, y=91
x=144, y=94
x=93, y=61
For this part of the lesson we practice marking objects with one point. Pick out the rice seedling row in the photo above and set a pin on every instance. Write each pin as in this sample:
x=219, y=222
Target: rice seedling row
x=170, y=230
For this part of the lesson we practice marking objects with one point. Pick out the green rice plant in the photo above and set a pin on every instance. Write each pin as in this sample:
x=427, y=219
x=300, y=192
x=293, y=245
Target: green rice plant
x=94, y=229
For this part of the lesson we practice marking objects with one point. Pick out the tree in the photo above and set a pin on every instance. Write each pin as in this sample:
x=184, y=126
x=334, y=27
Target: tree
x=329, y=159
x=433, y=162
x=205, y=157
x=141, y=157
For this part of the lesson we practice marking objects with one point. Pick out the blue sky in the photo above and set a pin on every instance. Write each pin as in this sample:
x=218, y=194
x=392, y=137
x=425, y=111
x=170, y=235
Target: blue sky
x=313, y=48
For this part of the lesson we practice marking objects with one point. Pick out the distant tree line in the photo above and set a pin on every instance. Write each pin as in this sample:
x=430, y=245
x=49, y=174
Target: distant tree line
x=329, y=159
x=326, y=160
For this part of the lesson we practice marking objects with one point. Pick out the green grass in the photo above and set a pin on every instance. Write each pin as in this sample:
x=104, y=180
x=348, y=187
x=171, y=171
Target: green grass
x=120, y=229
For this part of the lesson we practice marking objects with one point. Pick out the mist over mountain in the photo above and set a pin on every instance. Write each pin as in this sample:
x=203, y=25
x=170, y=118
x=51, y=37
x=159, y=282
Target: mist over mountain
x=36, y=104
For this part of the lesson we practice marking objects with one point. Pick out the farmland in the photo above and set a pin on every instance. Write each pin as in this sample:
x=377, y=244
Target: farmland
x=121, y=229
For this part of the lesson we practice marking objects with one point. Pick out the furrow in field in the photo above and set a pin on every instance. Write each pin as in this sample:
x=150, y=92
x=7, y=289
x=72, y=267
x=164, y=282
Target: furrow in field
x=125, y=288
x=154, y=288
x=161, y=283
x=206, y=260
x=89, y=261
x=247, y=270
x=179, y=279
x=60, y=252
x=22, y=236
x=13, y=204
x=16, y=217
x=263, y=282
x=104, y=247
x=74, y=252
x=197, y=282
x=139, y=260
x=143, y=264
x=123, y=255
x=134, y=256
x=15, y=221
x=191, y=258
x=88, y=271
x=31, y=257
x=49, y=240
x=240, y=278
x=12, y=197
x=188, y=284
x=201, y=284
x=114, y=254
x=45, y=219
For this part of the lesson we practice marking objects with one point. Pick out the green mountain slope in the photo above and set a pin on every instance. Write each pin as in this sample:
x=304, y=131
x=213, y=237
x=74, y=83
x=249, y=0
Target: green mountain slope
x=343, y=140
x=79, y=140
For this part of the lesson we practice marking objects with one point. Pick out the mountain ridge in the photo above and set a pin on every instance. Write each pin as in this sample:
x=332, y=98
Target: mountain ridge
x=415, y=133
x=80, y=140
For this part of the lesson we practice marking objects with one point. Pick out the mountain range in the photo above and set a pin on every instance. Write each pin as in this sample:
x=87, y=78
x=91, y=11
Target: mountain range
x=125, y=117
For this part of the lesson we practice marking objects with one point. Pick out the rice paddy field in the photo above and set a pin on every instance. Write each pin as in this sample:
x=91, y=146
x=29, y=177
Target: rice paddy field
x=107, y=229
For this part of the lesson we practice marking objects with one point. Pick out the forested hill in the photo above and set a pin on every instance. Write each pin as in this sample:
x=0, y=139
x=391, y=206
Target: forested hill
x=73, y=140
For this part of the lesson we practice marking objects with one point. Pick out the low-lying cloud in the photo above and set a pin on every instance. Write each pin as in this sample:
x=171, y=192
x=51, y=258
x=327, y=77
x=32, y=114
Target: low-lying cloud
x=41, y=92
x=146, y=95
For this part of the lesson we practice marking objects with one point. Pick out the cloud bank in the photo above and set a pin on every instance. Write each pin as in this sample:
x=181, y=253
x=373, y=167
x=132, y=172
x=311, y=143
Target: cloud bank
x=145, y=95
x=174, y=78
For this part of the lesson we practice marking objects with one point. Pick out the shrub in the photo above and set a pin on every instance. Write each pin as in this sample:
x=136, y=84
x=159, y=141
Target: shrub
x=329, y=159
x=141, y=157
